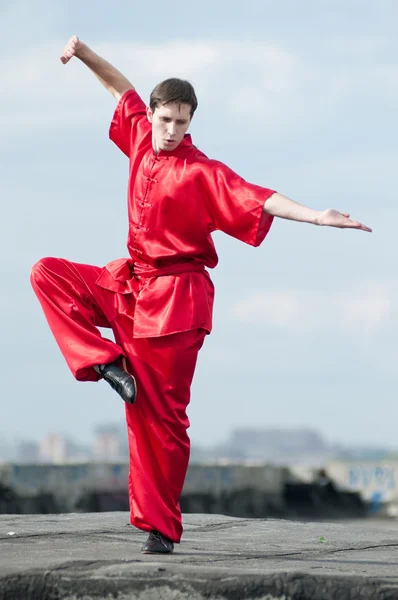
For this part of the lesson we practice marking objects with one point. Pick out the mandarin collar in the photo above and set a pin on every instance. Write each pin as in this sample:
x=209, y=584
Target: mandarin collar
x=165, y=154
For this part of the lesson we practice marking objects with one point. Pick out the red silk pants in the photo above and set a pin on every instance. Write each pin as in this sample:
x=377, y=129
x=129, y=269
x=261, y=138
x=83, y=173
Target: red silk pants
x=163, y=367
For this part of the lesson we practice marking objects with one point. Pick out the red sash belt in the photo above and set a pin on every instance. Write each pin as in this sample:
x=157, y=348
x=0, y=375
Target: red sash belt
x=119, y=275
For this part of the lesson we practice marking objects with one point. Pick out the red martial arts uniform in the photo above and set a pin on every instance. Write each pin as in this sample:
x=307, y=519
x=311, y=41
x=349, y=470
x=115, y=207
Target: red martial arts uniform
x=158, y=302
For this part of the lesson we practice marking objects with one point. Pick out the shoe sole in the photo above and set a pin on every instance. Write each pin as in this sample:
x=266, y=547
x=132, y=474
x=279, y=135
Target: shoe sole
x=124, y=363
x=160, y=552
x=135, y=391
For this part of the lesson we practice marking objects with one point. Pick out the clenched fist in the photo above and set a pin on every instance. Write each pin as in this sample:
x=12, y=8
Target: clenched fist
x=71, y=49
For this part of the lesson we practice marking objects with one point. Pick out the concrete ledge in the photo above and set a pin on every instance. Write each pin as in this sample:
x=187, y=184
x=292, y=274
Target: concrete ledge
x=98, y=556
x=240, y=490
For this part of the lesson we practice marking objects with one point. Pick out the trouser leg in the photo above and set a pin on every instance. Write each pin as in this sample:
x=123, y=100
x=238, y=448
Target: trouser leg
x=163, y=367
x=157, y=428
x=74, y=307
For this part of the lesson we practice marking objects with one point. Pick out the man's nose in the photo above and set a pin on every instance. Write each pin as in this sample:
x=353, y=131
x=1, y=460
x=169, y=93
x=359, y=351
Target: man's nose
x=171, y=129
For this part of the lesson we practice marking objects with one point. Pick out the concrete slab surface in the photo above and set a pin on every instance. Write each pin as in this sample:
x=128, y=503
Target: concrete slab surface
x=97, y=555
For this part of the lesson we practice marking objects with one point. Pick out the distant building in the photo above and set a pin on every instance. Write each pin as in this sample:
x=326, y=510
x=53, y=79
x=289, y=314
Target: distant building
x=57, y=448
x=53, y=448
x=276, y=445
x=110, y=443
x=106, y=446
x=27, y=451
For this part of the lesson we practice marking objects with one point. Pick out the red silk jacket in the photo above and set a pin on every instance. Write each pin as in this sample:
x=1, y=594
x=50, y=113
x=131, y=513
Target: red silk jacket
x=176, y=199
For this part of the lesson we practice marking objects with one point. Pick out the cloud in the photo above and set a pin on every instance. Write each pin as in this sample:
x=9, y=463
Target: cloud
x=370, y=308
x=366, y=309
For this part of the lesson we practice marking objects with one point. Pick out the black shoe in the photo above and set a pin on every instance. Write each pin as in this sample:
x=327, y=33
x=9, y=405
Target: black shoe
x=157, y=544
x=121, y=381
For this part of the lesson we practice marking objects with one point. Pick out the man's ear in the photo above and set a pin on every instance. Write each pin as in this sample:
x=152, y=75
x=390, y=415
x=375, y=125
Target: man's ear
x=149, y=113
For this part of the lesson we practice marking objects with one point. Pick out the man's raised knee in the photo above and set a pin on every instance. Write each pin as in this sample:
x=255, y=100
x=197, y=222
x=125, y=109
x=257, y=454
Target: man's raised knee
x=41, y=269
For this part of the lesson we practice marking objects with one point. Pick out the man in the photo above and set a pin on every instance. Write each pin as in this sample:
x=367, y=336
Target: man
x=159, y=301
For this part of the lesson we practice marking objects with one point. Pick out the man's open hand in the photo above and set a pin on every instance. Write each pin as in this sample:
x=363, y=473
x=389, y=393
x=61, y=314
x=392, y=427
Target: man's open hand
x=334, y=218
x=71, y=48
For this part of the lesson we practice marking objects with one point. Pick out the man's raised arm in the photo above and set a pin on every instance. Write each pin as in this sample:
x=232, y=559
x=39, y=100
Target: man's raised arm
x=110, y=77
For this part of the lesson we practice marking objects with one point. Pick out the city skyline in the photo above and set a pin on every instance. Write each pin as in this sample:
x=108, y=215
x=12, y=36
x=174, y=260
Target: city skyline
x=272, y=445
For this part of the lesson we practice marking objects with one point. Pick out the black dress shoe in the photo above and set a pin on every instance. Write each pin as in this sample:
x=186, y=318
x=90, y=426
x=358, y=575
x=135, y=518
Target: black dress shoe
x=157, y=544
x=121, y=381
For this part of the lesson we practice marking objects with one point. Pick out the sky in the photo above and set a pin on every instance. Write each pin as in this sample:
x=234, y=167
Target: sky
x=299, y=97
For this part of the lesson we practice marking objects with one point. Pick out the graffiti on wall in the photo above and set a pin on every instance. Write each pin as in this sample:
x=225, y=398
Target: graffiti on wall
x=377, y=484
x=372, y=477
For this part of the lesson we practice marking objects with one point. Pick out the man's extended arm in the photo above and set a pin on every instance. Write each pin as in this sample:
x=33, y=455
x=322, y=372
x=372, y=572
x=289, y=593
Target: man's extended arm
x=280, y=206
x=110, y=77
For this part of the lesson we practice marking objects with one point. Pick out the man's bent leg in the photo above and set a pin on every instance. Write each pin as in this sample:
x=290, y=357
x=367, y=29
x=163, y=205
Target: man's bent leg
x=157, y=428
x=74, y=307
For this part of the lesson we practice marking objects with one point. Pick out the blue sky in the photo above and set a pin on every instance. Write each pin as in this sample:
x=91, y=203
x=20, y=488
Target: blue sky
x=297, y=96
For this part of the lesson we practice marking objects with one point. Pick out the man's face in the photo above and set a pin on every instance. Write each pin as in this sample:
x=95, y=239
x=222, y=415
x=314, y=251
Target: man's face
x=169, y=125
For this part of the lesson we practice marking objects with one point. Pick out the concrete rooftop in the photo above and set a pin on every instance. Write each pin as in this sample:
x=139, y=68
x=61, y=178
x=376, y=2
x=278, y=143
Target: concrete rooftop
x=89, y=556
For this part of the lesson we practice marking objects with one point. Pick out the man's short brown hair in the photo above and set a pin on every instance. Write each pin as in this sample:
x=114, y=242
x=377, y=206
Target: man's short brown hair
x=173, y=90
